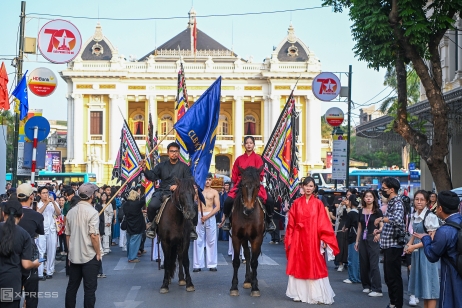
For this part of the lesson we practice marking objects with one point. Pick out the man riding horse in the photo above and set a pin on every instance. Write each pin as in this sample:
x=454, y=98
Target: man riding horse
x=167, y=172
x=248, y=159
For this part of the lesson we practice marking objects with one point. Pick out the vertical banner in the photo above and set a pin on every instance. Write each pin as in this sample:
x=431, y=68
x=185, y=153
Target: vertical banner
x=329, y=160
x=339, y=157
x=53, y=161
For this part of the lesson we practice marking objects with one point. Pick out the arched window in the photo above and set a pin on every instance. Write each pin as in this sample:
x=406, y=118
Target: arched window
x=250, y=125
x=138, y=124
x=223, y=125
x=166, y=124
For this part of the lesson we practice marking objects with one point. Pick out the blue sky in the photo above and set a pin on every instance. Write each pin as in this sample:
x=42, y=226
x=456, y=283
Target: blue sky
x=325, y=32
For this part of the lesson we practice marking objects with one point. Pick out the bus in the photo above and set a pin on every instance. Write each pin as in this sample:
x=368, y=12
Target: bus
x=368, y=177
x=45, y=177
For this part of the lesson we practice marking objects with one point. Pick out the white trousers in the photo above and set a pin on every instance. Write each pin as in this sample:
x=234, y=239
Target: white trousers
x=231, y=248
x=206, y=238
x=156, y=254
x=106, y=239
x=47, y=244
x=123, y=240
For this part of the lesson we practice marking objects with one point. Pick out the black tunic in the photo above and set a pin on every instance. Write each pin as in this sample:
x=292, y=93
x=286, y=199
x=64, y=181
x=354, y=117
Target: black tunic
x=168, y=174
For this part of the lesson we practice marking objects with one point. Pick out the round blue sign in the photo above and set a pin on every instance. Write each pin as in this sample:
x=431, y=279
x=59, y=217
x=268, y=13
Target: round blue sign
x=43, y=128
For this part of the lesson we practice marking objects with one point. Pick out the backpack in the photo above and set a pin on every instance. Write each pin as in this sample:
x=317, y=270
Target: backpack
x=458, y=264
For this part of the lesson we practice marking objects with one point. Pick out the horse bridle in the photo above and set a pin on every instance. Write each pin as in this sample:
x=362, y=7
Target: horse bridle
x=242, y=200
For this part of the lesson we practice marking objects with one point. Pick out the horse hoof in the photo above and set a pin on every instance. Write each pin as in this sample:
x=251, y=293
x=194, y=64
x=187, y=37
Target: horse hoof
x=234, y=293
x=163, y=290
x=190, y=289
x=182, y=282
x=247, y=285
x=255, y=293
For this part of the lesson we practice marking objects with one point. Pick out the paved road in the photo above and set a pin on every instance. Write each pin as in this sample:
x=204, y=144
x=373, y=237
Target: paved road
x=137, y=285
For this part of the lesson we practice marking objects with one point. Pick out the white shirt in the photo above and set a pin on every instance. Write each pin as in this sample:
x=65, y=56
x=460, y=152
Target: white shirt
x=49, y=224
x=431, y=222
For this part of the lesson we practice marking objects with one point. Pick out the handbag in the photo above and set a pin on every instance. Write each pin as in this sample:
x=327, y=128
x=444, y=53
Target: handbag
x=123, y=224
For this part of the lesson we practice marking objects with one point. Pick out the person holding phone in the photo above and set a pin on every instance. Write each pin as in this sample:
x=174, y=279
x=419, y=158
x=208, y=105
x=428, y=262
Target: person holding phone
x=47, y=243
x=15, y=254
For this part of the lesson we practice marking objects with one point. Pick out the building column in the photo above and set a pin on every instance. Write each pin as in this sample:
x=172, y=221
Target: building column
x=313, y=131
x=267, y=129
x=78, y=133
x=116, y=120
x=275, y=110
x=153, y=111
x=238, y=125
x=459, y=54
x=70, y=128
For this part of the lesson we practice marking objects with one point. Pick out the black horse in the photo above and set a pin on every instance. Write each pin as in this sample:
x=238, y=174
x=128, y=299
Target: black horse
x=174, y=230
x=248, y=226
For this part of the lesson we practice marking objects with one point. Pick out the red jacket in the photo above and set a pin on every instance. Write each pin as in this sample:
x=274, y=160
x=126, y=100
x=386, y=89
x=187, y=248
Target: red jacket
x=308, y=226
x=244, y=161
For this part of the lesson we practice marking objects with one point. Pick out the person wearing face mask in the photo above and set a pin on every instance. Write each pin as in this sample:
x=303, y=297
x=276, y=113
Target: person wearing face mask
x=392, y=241
x=308, y=231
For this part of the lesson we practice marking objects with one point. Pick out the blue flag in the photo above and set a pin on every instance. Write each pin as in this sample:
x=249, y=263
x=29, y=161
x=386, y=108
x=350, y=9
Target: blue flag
x=197, y=128
x=20, y=92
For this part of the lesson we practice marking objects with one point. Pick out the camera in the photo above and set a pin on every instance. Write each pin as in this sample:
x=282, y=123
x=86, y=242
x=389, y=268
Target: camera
x=399, y=235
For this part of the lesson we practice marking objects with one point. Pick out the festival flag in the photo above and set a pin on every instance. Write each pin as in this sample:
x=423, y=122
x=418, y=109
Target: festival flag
x=128, y=158
x=198, y=129
x=148, y=185
x=22, y=102
x=181, y=107
x=4, y=98
x=280, y=156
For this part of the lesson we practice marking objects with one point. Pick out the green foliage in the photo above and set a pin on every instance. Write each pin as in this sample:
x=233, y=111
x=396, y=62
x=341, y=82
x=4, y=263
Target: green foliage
x=7, y=118
x=375, y=152
x=375, y=41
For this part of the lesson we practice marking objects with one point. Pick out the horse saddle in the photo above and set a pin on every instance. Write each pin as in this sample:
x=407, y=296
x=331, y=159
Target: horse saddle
x=165, y=199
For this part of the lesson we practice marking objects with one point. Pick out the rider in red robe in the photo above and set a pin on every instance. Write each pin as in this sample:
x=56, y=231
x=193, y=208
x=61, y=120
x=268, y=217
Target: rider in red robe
x=248, y=159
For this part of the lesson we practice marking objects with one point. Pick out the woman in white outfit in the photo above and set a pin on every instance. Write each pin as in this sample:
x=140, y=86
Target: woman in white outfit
x=108, y=217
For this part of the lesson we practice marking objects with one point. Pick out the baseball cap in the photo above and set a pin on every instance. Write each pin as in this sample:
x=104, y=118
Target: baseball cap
x=24, y=190
x=86, y=190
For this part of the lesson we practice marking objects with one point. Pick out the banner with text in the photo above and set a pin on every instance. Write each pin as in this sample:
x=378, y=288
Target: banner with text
x=339, y=158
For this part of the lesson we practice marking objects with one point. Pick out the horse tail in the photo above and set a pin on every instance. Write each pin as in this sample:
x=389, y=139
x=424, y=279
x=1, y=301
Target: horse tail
x=172, y=264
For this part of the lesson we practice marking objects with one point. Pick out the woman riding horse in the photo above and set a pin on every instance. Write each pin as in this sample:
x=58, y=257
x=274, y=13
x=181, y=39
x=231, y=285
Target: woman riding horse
x=248, y=159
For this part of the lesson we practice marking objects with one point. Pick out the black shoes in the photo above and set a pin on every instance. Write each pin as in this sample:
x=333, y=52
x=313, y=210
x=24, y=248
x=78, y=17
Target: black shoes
x=196, y=270
x=227, y=225
x=193, y=235
x=49, y=276
x=43, y=278
x=213, y=269
x=270, y=226
x=151, y=232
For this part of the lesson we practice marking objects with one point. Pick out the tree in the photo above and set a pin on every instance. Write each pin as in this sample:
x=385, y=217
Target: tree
x=326, y=129
x=396, y=33
x=7, y=118
x=390, y=104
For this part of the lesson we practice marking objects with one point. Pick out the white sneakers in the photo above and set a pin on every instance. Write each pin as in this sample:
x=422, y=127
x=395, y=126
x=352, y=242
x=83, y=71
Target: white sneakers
x=413, y=301
x=366, y=290
x=375, y=294
x=347, y=281
x=340, y=268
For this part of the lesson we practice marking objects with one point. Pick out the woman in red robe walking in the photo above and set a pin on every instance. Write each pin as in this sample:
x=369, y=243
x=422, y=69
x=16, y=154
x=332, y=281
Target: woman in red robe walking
x=309, y=234
x=248, y=159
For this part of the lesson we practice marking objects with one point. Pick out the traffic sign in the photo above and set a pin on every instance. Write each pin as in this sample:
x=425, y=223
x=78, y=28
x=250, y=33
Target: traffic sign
x=43, y=128
x=334, y=116
x=411, y=166
x=415, y=175
x=326, y=86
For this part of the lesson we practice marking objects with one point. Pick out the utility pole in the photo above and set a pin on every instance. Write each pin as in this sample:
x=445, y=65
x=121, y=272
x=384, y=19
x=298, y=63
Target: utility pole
x=347, y=182
x=19, y=62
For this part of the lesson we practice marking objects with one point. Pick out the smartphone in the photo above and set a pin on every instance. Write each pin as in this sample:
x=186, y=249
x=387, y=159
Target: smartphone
x=41, y=260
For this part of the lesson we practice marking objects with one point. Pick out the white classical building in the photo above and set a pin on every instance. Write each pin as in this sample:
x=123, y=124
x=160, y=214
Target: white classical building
x=104, y=88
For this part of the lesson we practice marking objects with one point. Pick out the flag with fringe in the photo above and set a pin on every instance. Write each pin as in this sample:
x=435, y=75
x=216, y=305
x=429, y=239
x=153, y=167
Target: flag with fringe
x=128, y=159
x=21, y=98
x=181, y=107
x=280, y=156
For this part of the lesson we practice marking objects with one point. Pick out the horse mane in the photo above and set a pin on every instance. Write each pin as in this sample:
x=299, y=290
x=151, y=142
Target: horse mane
x=249, y=176
x=185, y=186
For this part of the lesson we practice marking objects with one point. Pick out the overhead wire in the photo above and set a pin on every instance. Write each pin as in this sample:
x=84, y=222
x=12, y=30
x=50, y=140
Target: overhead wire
x=179, y=17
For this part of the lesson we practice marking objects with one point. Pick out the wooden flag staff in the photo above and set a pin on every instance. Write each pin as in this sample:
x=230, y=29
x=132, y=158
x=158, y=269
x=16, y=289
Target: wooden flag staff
x=130, y=178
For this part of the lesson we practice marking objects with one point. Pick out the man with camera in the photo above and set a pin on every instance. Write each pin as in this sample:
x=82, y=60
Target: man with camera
x=32, y=222
x=392, y=241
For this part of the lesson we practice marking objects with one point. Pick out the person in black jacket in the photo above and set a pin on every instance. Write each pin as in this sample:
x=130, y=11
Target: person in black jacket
x=32, y=222
x=132, y=210
x=99, y=207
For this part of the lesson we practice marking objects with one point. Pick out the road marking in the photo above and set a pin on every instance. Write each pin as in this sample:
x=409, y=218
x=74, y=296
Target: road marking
x=130, y=299
x=264, y=259
x=123, y=264
x=221, y=260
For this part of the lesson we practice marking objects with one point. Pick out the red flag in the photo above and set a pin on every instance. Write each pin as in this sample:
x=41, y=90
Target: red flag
x=4, y=100
x=195, y=35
